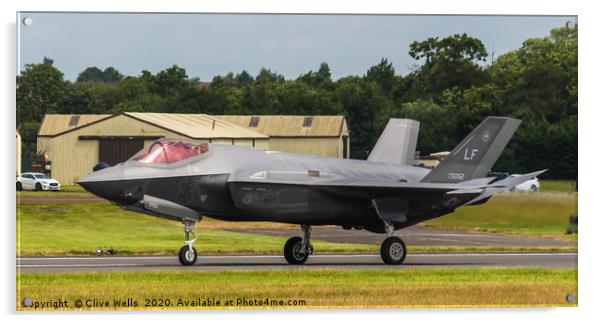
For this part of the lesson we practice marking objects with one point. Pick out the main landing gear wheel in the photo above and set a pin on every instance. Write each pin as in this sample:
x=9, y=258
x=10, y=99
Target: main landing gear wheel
x=187, y=254
x=293, y=251
x=297, y=249
x=393, y=251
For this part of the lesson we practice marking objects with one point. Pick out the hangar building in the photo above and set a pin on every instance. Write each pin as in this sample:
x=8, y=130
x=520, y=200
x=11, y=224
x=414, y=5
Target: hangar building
x=75, y=143
x=326, y=136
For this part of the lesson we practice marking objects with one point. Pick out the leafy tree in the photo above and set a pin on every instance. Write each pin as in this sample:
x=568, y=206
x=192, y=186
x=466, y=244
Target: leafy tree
x=260, y=96
x=322, y=78
x=29, y=132
x=133, y=95
x=228, y=80
x=539, y=144
x=111, y=75
x=90, y=74
x=299, y=98
x=383, y=74
x=266, y=75
x=75, y=101
x=101, y=97
x=437, y=126
x=453, y=49
x=244, y=78
x=170, y=81
x=469, y=107
x=541, y=75
x=94, y=74
x=41, y=89
x=362, y=102
x=449, y=62
x=225, y=100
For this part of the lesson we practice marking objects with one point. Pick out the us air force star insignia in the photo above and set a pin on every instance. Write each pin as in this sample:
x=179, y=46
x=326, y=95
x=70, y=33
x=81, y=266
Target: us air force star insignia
x=486, y=136
x=247, y=198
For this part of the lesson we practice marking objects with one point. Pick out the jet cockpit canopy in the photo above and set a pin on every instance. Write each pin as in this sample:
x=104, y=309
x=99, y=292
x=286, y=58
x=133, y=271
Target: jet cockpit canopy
x=169, y=151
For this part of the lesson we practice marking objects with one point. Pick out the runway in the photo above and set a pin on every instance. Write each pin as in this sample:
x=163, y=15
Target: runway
x=271, y=262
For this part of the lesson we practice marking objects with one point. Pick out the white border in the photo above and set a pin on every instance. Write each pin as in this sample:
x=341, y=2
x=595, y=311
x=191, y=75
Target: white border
x=589, y=84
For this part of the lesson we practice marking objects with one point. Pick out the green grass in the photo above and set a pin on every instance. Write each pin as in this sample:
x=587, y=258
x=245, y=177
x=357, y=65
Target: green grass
x=318, y=288
x=557, y=186
x=539, y=214
x=79, y=228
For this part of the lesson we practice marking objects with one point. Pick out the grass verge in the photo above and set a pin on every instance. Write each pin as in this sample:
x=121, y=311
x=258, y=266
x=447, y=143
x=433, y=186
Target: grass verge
x=311, y=288
x=79, y=228
x=558, y=186
x=537, y=214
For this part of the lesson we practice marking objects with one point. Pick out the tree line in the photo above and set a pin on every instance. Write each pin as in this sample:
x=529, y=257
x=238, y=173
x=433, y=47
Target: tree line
x=451, y=90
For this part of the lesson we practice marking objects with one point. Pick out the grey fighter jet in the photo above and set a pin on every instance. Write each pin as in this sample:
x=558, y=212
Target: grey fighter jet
x=184, y=180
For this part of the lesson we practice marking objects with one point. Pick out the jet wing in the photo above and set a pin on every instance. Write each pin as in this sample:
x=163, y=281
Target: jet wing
x=477, y=189
x=312, y=178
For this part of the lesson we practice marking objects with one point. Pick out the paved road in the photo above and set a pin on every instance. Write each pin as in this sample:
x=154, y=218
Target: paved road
x=414, y=236
x=256, y=262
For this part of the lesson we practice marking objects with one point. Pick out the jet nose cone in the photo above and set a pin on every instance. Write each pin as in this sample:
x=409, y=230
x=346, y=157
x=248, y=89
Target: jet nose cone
x=107, y=183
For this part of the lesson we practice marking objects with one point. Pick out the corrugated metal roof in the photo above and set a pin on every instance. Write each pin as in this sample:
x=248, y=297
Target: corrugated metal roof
x=205, y=126
x=198, y=126
x=54, y=124
x=290, y=126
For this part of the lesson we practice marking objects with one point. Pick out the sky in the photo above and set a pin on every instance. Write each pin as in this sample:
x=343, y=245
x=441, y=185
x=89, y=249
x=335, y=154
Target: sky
x=215, y=44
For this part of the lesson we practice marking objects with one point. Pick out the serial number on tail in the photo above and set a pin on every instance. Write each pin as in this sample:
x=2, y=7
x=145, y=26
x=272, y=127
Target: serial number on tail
x=456, y=176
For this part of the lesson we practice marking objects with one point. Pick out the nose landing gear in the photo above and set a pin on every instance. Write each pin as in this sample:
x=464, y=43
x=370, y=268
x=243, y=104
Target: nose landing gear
x=187, y=254
x=297, y=249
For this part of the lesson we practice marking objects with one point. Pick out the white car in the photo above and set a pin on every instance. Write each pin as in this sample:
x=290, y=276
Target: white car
x=37, y=182
x=531, y=185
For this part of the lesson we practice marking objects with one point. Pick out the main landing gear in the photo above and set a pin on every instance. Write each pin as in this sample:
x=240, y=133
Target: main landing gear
x=298, y=249
x=187, y=254
x=393, y=250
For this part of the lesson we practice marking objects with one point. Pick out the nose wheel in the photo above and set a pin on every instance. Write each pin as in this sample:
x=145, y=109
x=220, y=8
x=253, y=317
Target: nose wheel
x=298, y=249
x=188, y=255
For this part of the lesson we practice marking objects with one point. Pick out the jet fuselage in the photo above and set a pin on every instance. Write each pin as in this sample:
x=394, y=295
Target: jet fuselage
x=237, y=183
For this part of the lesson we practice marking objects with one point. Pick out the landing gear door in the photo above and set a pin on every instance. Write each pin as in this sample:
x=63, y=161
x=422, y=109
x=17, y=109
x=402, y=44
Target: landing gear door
x=392, y=209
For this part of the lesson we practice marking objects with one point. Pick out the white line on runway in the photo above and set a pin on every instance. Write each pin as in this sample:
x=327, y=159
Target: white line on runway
x=313, y=256
x=82, y=265
x=451, y=235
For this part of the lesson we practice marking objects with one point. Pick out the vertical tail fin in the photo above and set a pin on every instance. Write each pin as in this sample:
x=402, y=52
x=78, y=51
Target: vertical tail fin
x=397, y=143
x=476, y=154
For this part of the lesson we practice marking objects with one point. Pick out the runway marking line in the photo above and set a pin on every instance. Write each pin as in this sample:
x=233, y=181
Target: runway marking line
x=82, y=265
x=108, y=264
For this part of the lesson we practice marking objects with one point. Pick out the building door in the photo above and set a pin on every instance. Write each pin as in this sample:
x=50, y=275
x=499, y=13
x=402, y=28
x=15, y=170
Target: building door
x=114, y=151
x=346, y=147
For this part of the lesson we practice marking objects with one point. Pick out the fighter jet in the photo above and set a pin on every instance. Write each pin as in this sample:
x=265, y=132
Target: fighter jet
x=185, y=180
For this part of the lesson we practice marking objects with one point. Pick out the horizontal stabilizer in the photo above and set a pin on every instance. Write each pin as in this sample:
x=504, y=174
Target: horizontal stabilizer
x=503, y=185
